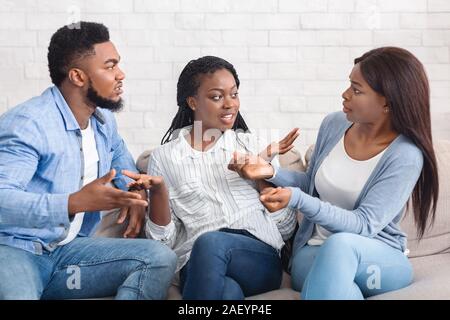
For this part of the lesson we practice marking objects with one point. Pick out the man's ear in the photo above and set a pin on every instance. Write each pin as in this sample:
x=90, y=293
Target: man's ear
x=77, y=77
x=191, y=103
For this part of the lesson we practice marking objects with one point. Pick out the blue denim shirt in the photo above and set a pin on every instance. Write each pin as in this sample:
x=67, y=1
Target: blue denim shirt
x=41, y=164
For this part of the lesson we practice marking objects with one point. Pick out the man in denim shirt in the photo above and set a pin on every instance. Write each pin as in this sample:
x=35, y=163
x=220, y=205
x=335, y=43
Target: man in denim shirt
x=53, y=149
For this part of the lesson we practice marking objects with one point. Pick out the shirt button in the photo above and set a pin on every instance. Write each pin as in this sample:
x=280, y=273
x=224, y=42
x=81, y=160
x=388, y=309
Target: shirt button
x=82, y=177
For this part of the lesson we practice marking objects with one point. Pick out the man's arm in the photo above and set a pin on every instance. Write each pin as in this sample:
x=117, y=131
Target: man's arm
x=122, y=158
x=20, y=147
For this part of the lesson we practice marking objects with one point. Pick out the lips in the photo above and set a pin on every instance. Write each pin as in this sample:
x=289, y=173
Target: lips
x=345, y=109
x=228, y=116
x=118, y=89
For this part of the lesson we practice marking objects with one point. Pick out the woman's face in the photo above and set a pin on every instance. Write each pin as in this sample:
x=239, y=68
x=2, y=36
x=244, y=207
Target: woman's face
x=361, y=103
x=216, y=103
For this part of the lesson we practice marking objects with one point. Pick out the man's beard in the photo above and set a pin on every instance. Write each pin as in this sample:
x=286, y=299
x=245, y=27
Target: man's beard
x=94, y=98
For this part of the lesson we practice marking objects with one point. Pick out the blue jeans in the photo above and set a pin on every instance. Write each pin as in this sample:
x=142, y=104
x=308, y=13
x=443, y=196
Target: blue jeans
x=88, y=268
x=230, y=265
x=349, y=266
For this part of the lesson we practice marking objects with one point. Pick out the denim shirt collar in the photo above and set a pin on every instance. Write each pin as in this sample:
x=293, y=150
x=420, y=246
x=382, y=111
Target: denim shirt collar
x=69, y=119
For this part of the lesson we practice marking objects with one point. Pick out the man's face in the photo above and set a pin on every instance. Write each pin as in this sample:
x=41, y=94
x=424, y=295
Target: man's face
x=105, y=77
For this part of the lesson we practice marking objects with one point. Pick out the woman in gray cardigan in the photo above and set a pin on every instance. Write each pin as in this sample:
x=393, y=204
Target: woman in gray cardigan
x=367, y=162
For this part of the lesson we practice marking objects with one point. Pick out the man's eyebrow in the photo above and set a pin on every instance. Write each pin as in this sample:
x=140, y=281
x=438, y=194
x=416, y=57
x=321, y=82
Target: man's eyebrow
x=112, y=60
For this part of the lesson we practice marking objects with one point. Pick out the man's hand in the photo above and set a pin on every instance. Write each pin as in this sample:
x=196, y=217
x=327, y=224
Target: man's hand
x=97, y=196
x=250, y=166
x=136, y=215
x=159, y=197
x=275, y=199
x=281, y=147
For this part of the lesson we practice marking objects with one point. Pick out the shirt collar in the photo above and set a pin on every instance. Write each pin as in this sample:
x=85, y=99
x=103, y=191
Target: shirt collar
x=183, y=148
x=69, y=119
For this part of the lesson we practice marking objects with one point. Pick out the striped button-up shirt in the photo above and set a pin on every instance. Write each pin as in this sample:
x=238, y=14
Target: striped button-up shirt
x=205, y=195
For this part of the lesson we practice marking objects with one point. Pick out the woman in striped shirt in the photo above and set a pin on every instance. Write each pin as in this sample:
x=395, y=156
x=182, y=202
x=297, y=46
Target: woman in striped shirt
x=227, y=242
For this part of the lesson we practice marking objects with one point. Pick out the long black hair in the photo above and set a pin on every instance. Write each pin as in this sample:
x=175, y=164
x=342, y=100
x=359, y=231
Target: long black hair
x=400, y=77
x=187, y=86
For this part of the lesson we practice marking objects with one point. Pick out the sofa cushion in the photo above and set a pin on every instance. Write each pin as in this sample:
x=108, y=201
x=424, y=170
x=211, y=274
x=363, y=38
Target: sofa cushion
x=284, y=293
x=431, y=280
x=436, y=239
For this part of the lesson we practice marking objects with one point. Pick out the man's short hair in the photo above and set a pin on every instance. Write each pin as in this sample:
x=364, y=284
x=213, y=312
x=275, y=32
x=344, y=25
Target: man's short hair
x=71, y=43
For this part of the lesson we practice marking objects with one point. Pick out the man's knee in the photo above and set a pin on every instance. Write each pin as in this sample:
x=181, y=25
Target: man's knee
x=19, y=293
x=166, y=256
x=20, y=278
x=155, y=253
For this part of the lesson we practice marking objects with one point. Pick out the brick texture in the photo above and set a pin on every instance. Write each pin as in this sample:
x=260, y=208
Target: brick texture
x=293, y=56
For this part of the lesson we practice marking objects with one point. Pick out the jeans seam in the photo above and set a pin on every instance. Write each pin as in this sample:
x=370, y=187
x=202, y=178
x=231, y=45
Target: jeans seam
x=97, y=262
x=141, y=281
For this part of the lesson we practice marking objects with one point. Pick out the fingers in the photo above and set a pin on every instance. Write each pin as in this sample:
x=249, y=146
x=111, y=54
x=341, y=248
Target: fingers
x=135, y=223
x=271, y=196
x=288, y=148
x=293, y=133
x=290, y=138
x=233, y=162
x=127, y=199
x=123, y=215
x=287, y=143
x=131, y=231
x=139, y=203
x=108, y=177
x=266, y=191
x=132, y=175
x=134, y=186
x=271, y=207
x=266, y=200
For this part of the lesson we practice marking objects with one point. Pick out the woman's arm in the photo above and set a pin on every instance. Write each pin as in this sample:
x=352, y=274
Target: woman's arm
x=380, y=206
x=289, y=178
x=160, y=225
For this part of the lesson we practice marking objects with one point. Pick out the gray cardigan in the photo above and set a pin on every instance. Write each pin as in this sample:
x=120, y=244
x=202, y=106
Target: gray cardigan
x=380, y=205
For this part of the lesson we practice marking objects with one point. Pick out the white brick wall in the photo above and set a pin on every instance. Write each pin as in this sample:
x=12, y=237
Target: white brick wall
x=293, y=56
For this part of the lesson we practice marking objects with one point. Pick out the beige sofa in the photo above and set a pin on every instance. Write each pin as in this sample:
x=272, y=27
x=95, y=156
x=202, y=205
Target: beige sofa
x=430, y=257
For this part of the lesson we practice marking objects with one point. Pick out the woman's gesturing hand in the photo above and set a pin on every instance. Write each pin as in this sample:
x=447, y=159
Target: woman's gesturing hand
x=281, y=147
x=250, y=166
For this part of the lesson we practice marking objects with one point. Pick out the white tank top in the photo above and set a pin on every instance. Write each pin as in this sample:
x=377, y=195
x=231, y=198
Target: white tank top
x=339, y=181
